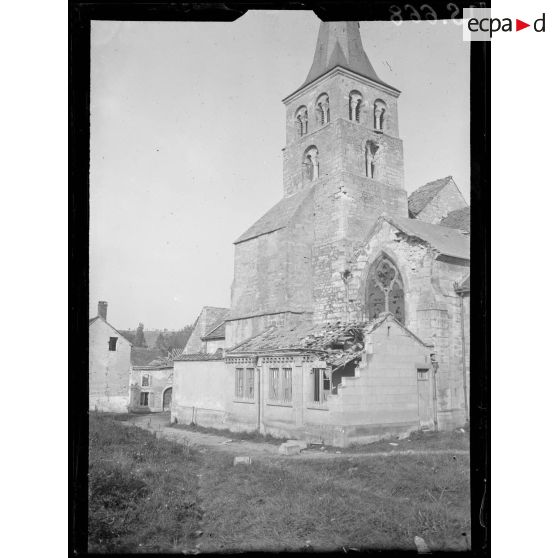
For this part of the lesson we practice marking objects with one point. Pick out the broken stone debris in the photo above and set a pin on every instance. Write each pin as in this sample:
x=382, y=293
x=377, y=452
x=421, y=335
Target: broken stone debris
x=292, y=447
x=422, y=547
x=242, y=460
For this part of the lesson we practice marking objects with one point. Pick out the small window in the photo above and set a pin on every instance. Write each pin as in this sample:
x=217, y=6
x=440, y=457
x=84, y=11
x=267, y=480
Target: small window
x=301, y=119
x=322, y=109
x=355, y=105
x=144, y=399
x=145, y=380
x=372, y=153
x=112, y=343
x=380, y=110
x=321, y=385
x=310, y=164
x=422, y=373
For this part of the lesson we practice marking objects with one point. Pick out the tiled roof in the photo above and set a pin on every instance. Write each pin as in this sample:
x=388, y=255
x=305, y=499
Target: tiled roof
x=278, y=217
x=217, y=332
x=217, y=355
x=422, y=196
x=447, y=241
x=458, y=219
x=339, y=44
x=154, y=366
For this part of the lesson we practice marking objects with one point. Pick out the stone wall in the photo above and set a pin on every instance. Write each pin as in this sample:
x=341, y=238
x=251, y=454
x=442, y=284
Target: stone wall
x=109, y=371
x=160, y=380
x=204, y=394
x=432, y=307
x=272, y=278
x=382, y=398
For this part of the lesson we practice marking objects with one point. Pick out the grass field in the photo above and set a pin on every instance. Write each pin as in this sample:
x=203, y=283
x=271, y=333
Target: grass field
x=151, y=495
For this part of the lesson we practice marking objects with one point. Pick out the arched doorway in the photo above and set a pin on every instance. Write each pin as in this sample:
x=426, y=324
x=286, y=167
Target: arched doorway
x=167, y=398
x=384, y=290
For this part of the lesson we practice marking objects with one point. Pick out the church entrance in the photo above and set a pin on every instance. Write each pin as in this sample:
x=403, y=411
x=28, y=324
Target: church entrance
x=384, y=290
x=167, y=398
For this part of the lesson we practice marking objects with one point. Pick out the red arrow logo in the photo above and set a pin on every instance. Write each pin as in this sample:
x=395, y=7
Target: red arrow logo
x=519, y=25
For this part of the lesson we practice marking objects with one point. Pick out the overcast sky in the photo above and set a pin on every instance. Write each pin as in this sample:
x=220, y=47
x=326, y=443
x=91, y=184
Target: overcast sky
x=187, y=128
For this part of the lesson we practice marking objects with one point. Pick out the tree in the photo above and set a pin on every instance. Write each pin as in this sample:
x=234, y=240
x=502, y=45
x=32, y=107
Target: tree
x=178, y=339
x=162, y=342
x=139, y=339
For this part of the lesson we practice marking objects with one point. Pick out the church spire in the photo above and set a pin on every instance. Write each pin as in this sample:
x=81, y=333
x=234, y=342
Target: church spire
x=339, y=44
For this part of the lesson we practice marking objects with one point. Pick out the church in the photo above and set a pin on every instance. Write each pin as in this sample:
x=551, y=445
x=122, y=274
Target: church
x=349, y=316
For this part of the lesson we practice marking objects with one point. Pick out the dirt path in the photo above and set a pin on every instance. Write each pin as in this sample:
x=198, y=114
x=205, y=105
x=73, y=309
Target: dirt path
x=159, y=424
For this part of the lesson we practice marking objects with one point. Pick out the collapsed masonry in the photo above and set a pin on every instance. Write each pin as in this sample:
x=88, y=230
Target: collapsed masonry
x=336, y=383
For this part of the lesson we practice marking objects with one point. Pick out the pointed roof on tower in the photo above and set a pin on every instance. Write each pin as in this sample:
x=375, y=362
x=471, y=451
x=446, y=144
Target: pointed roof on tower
x=339, y=44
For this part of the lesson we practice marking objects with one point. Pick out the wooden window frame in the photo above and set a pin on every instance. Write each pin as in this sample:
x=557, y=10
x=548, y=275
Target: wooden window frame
x=244, y=384
x=319, y=399
x=286, y=385
x=273, y=393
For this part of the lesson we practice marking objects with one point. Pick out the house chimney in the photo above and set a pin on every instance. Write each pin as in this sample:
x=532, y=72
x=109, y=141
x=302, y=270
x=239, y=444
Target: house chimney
x=102, y=309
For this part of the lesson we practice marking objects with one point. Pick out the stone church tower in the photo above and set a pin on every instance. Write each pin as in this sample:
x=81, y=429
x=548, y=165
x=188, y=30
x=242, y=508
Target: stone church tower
x=343, y=167
x=343, y=142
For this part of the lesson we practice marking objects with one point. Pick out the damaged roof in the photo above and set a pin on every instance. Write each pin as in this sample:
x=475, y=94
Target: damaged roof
x=217, y=355
x=422, y=196
x=458, y=219
x=278, y=217
x=336, y=343
x=447, y=241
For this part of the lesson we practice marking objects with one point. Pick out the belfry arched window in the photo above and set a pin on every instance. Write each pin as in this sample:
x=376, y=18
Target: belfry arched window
x=372, y=152
x=355, y=105
x=322, y=108
x=380, y=110
x=310, y=164
x=301, y=119
x=384, y=290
